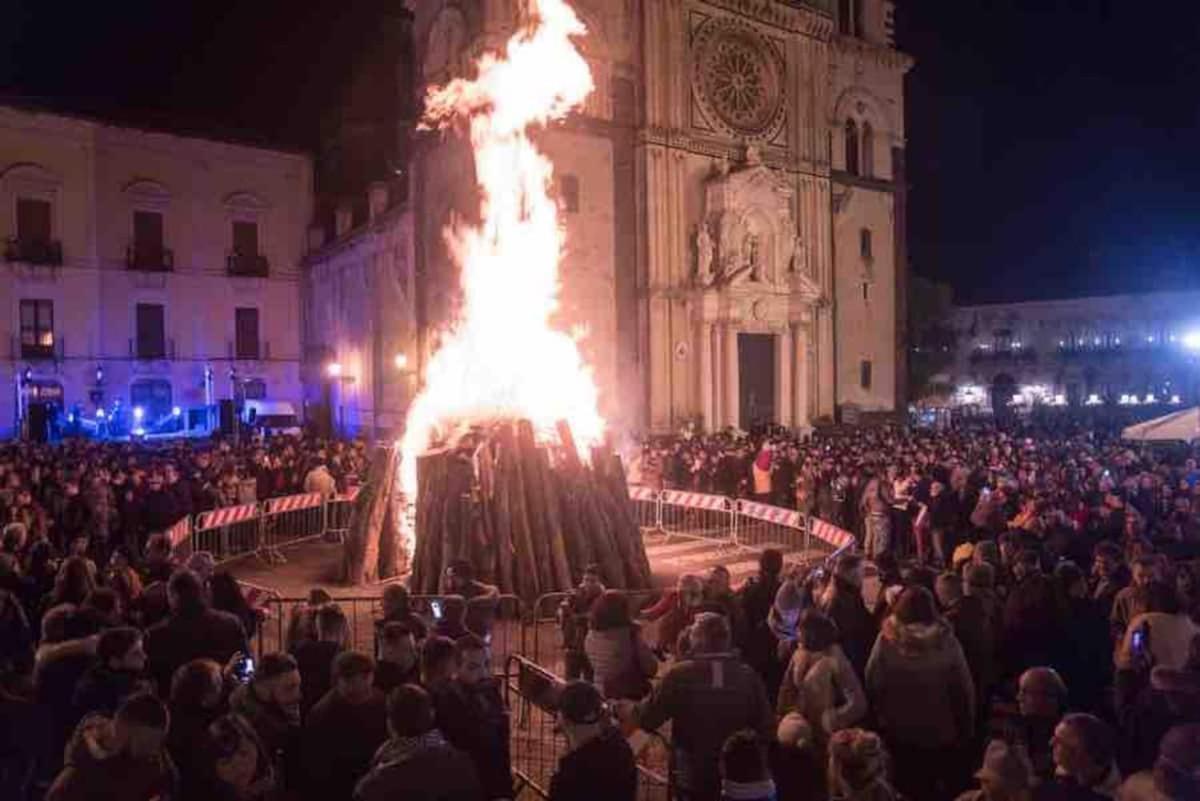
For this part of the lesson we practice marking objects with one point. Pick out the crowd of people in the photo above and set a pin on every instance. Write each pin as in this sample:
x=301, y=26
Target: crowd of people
x=1019, y=624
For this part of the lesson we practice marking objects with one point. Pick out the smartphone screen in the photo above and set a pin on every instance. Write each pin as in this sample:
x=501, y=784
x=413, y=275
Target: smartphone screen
x=436, y=606
x=244, y=671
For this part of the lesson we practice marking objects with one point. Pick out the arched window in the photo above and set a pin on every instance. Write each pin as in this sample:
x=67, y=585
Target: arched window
x=851, y=137
x=868, y=150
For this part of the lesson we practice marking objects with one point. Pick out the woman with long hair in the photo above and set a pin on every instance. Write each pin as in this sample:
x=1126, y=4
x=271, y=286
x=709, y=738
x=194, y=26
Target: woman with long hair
x=622, y=661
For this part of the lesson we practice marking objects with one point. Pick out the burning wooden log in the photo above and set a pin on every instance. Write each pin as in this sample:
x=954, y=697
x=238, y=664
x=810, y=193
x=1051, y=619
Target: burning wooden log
x=539, y=515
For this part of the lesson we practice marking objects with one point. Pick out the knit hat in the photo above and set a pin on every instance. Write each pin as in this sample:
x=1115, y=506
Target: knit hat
x=794, y=731
x=581, y=703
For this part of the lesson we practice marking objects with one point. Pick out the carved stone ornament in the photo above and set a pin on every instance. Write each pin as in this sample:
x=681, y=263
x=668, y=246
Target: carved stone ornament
x=738, y=78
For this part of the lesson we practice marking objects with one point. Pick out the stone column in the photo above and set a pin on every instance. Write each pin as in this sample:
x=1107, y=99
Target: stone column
x=707, y=381
x=732, y=390
x=801, y=377
x=784, y=368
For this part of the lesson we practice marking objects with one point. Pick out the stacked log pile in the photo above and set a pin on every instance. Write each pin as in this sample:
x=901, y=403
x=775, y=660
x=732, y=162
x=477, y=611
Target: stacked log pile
x=374, y=550
x=529, y=517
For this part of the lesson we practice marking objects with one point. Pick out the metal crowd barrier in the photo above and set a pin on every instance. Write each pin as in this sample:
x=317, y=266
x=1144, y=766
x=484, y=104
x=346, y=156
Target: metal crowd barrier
x=696, y=515
x=543, y=634
x=531, y=694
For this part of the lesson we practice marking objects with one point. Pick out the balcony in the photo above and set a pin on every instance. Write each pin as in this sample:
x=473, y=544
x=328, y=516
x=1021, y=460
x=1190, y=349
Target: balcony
x=149, y=258
x=151, y=349
x=29, y=350
x=251, y=265
x=34, y=251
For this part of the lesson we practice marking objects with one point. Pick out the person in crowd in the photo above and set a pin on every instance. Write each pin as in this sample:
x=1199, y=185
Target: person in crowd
x=1110, y=575
x=399, y=660
x=972, y=626
x=416, y=762
x=573, y=614
x=315, y=657
x=320, y=480
x=344, y=730
x=745, y=774
x=1162, y=633
x=232, y=764
x=159, y=562
x=622, y=662
x=820, y=685
x=675, y=611
x=1042, y=699
x=121, y=757
x=719, y=597
x=598, y=764
x=270, y=703
x=843, y=603
x=1005, y=775
x=197, y=699
x=118, y=672
x=66, y=652
x=1084, y=761
x=1176, y=772
x=1172, y=698
x=1085, y=648
x=437, y=664
x=1130, y=600
x=482, y=599
x=1032, y=618
x=227, y=596
x=193, y=631
x=920, y=690
x=16, y=635
x=859, y=767
x=302, y=619
x=707, y=697
x=472, y=716
x=452, y=624
x=397, y=609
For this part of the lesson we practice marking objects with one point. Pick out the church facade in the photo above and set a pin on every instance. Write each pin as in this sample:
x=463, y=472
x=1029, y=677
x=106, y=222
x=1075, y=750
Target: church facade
x=733, y=199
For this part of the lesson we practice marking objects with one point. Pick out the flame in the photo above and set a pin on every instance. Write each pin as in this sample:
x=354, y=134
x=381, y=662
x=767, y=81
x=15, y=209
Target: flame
x=501, y=358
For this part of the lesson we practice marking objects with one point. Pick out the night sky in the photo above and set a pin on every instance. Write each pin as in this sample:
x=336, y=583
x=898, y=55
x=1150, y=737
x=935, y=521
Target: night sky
x=1054, y=146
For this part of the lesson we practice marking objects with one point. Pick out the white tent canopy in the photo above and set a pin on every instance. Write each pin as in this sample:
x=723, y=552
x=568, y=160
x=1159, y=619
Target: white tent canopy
x=1182, y=426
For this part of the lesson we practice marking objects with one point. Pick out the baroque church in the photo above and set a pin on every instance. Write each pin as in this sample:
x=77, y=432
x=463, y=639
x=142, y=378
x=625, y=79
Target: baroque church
x=733, y=196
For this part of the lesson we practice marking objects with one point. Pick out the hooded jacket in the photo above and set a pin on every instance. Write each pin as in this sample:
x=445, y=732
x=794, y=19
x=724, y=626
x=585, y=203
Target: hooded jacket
x=919, y=685
x=423, y=768
x=823, y=687
x=96, y=769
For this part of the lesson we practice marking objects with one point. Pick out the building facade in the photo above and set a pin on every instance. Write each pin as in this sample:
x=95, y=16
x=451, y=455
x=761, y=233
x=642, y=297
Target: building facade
x=145, y=269
x=1122, y=349
x=732, y=195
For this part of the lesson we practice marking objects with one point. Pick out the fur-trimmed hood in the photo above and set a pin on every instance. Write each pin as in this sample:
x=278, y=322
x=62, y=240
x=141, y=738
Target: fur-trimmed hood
x=918, y=639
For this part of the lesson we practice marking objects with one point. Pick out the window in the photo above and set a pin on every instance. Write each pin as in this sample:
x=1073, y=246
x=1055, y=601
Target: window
x=866, y=290
x=153, y=395
x=867, y=156
x=33, y=220
x=151, y=332
x=851, y=137
x=37, y=329
x=245, y=237
x=864, y=374
x=568, y=192
x=245, y=323
x=147, y=252
x=254, y=389
x=864, y=244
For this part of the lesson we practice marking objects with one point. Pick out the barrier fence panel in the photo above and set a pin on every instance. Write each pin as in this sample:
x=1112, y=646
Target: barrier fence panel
x=544, y=626
x=646, y=507
x=759, y=526
x=696, y=515
x=531, y=694
x=291, y=519
x=499, y=621
x=287, y=619
x=228, y=531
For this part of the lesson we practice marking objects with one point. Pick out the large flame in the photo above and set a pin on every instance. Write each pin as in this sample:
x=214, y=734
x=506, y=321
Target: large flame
x=501, y=358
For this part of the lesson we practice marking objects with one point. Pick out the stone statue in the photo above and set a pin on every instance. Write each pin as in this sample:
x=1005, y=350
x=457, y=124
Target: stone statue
x=753, y=156
x=798, y=262
x=752, y=257
x=704, y=255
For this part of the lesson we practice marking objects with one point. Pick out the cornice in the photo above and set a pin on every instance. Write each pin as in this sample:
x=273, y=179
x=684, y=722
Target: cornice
x=884, y=56
x=794, y=19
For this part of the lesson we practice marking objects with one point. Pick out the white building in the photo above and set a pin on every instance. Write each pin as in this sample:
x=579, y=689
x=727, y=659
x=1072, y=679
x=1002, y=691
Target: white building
x=135, y=263
x=1124, y=349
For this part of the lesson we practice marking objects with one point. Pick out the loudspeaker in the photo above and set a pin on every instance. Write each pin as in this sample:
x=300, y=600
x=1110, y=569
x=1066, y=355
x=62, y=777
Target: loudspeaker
x=228, y=418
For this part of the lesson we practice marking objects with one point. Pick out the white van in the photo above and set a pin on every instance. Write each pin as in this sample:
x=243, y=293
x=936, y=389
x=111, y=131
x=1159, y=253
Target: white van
x=271, y=417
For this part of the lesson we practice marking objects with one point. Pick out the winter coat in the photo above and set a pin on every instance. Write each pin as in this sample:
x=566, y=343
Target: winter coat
x=205, y=634
x=339, y=741
x=823, y=687
x=102, y=690
x=475, y=721
x=973, y=629
x=320, y=480
x=276, y=729
x=844, y=605
x=919, y=685
x=622, y=662
x=94, y=770
x=420, y=769
x=315, y=661
x=602, y=769
x=708, y=698
x=1032, y=624
x=1169, y=638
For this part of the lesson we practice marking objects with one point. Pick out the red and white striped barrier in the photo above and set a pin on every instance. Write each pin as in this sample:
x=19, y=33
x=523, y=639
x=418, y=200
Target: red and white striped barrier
x=349, y=495
x=771, y=514
x=226, y=516
x=837, y=537
x=293, y=503
x=180, y=531
x=695, y=500
x=643, y=494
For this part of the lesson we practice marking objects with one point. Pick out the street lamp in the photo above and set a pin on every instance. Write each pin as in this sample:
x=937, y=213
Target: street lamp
x=401, y=361
x=334, y=369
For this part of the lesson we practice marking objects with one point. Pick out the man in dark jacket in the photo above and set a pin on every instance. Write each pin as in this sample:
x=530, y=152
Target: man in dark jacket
x=573, y=621
x=472, y=716
x=271, y=704
x=599, y=765
x=399, y=661
x=119, y=672
x=1032, y=621
x=708, y=697
x=757, y=596
x=194, y=631
x=122, y=758
x=416, y=762
x=972, y=626
x=845, y=606
x=157, y=508
x=343, y=730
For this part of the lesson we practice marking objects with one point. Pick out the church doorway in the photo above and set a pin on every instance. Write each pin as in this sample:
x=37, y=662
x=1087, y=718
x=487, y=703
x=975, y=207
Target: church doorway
x=756, y=380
